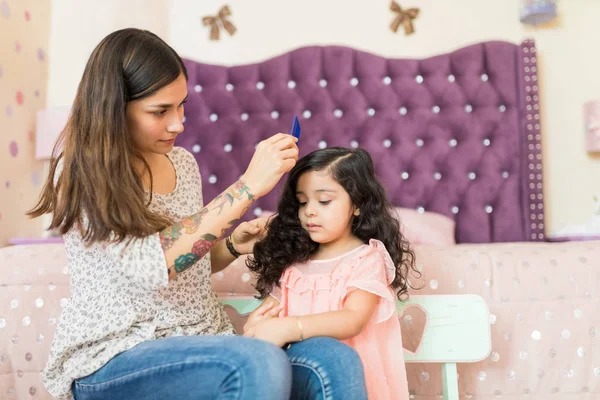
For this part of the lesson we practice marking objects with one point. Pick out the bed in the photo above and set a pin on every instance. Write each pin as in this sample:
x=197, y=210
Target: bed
x=457, y=143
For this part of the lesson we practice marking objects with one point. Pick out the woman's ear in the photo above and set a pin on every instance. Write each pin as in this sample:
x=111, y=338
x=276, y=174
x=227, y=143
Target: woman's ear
x=356, y=212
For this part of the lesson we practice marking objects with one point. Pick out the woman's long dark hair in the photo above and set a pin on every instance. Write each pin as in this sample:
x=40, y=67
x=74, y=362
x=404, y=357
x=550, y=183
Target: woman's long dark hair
x=287, y=242
x=99, y=178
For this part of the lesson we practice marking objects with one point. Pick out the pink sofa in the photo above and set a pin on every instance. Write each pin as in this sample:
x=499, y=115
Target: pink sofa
x=542, y=298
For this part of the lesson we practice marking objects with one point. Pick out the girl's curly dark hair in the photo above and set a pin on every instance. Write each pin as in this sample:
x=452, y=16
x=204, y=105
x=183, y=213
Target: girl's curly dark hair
x=288, y=243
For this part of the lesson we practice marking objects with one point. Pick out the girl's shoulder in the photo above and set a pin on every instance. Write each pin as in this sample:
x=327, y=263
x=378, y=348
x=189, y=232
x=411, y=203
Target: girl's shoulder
x=372, y=257
x=373, y=249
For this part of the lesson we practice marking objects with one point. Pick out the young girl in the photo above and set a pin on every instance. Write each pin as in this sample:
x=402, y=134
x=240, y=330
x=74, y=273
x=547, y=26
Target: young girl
x=331, y=261
x=143, y=321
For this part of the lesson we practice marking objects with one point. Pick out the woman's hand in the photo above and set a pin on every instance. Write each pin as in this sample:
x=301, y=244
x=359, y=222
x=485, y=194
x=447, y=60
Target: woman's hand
x=278, y=331
x=267, y=310
x=248, y=233
x=273, y=157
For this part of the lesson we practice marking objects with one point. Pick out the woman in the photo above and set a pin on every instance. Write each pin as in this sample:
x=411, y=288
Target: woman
x=143, y=321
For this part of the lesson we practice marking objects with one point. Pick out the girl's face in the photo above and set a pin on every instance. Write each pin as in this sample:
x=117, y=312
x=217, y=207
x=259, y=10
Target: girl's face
x=155, y=121
x=326, y=211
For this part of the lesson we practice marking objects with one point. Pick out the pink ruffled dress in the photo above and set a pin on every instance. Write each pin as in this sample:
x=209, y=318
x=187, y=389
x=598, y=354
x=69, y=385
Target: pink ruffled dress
x=319, y=286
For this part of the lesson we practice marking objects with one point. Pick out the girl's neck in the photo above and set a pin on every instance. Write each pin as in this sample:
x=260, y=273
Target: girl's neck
x=335, y=249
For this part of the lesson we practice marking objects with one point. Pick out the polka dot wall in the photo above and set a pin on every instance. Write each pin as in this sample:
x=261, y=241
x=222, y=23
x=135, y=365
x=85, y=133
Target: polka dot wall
x=24, y=29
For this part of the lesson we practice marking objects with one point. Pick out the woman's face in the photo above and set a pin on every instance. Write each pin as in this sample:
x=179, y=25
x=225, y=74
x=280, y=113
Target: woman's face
x=155, y=121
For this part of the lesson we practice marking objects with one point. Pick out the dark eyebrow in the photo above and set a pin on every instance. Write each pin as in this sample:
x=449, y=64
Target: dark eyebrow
x=319, y=191
x=164, y=105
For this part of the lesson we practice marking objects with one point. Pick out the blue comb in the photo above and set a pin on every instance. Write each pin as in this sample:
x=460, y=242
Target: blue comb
x=295, y=131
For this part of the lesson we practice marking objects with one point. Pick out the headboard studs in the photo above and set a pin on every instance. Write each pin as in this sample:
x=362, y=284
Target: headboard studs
x=457, y=134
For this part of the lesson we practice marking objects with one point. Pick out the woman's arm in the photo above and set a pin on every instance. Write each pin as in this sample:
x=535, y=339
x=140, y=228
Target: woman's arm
x=220, y=257
x=243, y=239
x=187, y=241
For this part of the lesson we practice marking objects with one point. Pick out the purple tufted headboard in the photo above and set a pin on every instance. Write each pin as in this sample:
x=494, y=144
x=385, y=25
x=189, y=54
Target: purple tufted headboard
x=456, y=134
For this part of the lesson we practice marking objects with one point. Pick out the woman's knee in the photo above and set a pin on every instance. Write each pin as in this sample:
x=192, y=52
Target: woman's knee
x=264, y=362
x=268, y=357
x=258, y=369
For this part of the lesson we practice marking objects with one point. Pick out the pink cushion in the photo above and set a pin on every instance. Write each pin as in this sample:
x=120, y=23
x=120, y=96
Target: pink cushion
x=426, y=227
x=420, y=227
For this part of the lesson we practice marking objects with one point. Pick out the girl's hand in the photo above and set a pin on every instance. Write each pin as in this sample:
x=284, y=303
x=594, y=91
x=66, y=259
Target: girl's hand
x=248, y=233
x=267, y=310
x=273, y=157
x=278, y=331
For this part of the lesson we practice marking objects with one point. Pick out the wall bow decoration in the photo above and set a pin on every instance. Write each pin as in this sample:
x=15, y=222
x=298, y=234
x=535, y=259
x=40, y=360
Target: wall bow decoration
x=220, y=20
x=404, y=17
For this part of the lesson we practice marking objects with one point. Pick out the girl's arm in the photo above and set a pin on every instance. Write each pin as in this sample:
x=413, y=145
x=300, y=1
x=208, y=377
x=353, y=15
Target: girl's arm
x=270, y=308
x=342, y=324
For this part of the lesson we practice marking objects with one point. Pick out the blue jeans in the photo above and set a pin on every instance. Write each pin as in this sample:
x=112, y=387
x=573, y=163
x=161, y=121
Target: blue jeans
x=227, y=367
x=326, y=369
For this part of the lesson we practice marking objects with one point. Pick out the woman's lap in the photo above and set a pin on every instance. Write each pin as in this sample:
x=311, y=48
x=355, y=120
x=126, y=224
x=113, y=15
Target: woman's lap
x=228, y=367
x=192, y=367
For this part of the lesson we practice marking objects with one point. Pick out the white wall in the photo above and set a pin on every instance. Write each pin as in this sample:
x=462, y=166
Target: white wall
x=77, y=26
x=568, y=56
x=568, y=61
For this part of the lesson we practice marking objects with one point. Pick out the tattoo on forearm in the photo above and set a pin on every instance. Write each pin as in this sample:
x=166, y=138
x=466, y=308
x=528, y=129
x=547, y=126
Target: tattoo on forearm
x=202, y=246
x=199, y=250
x=221, y=201
x=191, y=224
x=168, y=236
x=236, y=192
x=239, y=188
x=184, y=261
